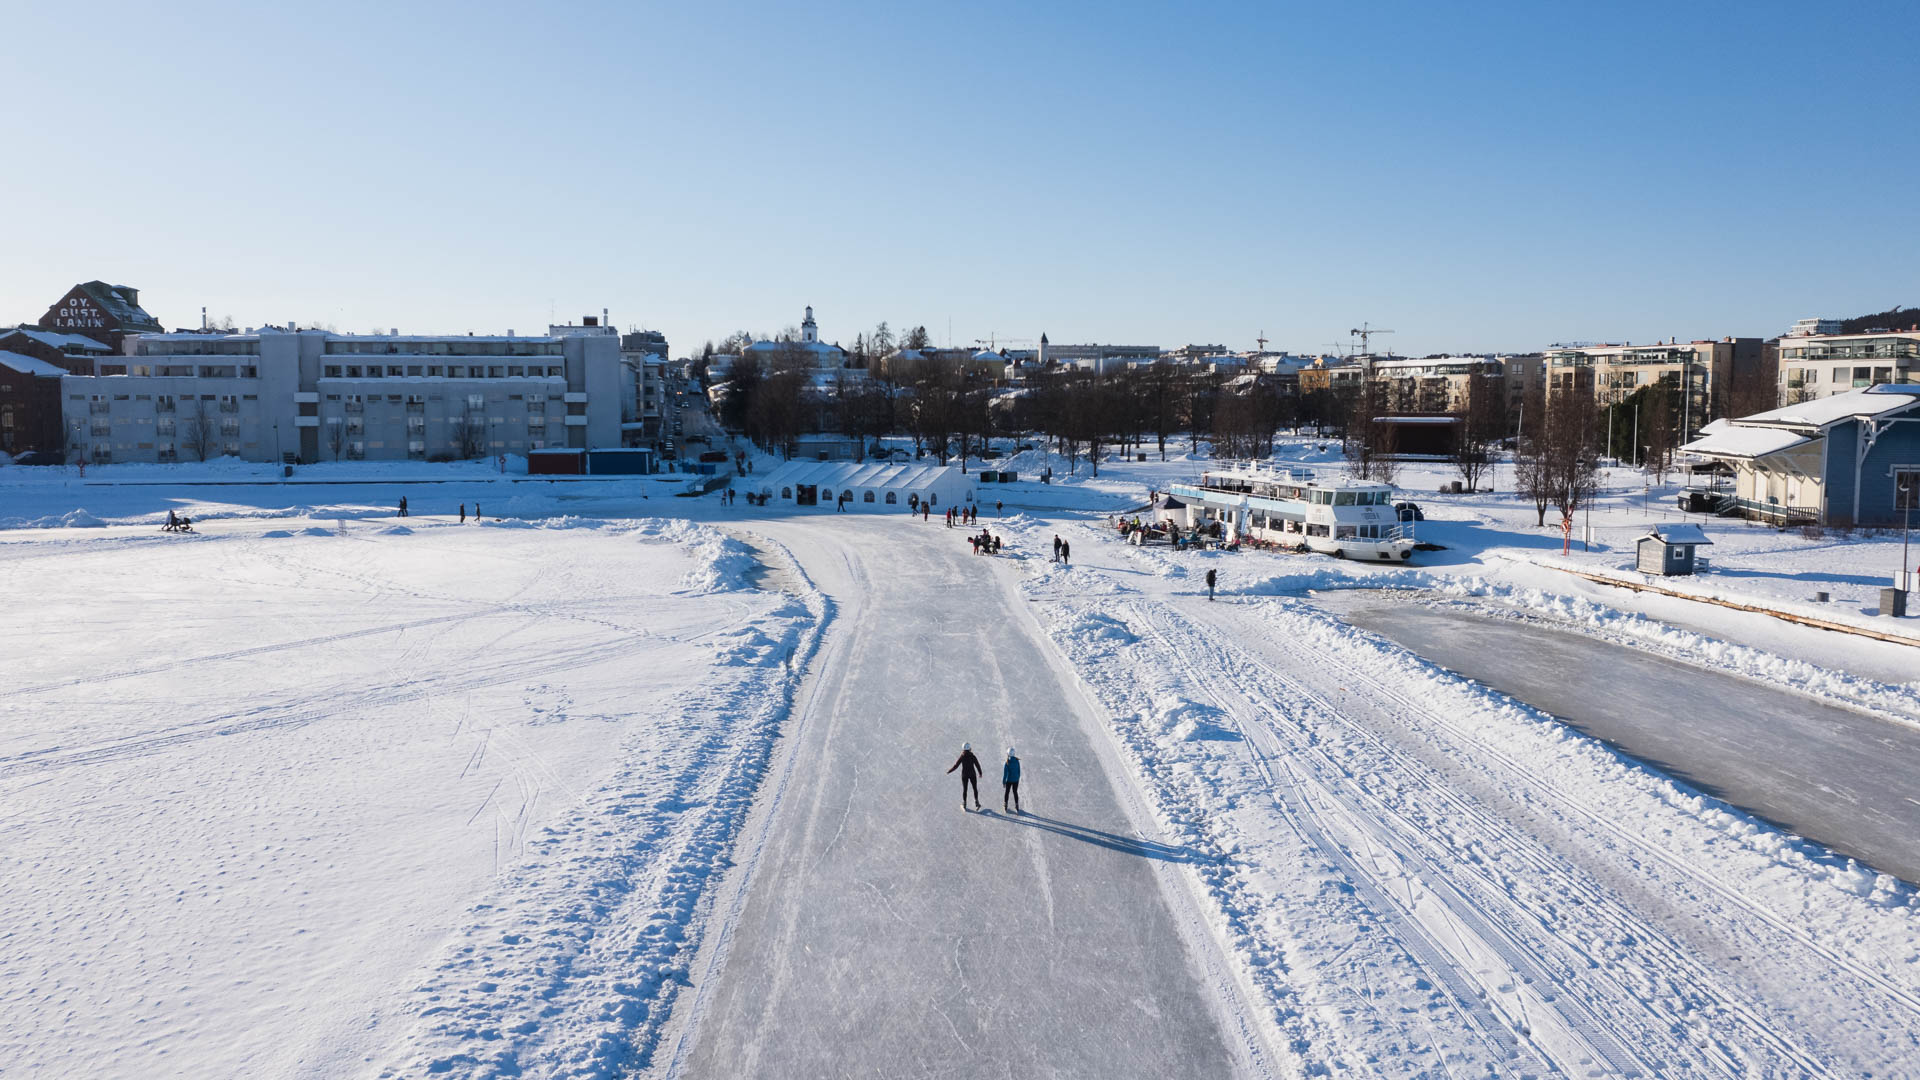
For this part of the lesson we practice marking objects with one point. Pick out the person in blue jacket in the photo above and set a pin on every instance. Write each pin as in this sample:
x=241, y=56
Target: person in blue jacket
x=1010, y=778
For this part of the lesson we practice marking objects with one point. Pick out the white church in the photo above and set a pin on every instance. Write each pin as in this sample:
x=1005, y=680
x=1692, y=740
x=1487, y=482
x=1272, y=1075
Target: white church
x=826, y=358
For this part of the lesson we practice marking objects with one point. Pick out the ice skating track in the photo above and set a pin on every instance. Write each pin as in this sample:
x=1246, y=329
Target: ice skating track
x=887, y=932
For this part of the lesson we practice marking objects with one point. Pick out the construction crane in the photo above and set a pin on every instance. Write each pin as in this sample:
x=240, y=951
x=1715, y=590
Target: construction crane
x=994, y=341
x=1261, y=341
x=1366, y=331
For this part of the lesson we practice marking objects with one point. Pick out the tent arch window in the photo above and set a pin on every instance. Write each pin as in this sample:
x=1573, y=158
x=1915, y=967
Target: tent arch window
x=890, y=497
x=868, y=498
x=786, y=493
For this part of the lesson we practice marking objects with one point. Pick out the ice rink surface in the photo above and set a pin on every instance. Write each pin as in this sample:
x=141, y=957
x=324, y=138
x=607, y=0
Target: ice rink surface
x=887, y=932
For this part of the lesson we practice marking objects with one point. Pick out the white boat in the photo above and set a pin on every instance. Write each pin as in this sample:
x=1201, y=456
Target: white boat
x=1289, y=507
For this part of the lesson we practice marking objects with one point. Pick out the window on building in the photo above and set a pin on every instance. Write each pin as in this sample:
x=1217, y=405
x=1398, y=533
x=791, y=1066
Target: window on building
x=868, y=497
x=1906, y=488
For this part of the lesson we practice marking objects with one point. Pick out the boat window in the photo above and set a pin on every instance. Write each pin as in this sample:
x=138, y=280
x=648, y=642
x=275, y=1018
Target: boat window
x=1343, y=498
x=1342, y=532
x=1316, y=530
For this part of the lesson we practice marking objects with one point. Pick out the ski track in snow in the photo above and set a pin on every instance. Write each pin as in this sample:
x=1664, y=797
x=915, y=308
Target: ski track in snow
x=1549, y=906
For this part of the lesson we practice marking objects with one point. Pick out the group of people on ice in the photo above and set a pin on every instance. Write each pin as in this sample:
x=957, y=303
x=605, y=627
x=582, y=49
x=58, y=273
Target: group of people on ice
x=985, y=543
x=970, y=771
x=962, y=515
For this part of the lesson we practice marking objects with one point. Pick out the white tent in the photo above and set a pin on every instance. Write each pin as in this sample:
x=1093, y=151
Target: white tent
x=873, y=487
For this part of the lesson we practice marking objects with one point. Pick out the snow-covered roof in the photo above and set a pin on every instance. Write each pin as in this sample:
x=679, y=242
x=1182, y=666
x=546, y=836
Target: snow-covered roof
x=1724, y=439
x=58, y=340
x=1820, y=412
x=27, y=365
x=842, y=474
x=1680, y=534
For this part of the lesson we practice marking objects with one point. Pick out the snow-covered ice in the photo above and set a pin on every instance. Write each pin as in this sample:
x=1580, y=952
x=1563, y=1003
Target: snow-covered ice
x=309, y=800
x=323, y=792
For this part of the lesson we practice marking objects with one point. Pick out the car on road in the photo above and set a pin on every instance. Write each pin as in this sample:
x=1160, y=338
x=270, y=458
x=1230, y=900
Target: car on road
x=1409, y=511
x=39, y=457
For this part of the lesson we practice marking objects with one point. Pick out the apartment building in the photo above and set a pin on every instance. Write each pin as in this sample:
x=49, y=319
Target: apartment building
x=1821, y=365
x=1436, y=384
x=307, y=395
x=1703, y=372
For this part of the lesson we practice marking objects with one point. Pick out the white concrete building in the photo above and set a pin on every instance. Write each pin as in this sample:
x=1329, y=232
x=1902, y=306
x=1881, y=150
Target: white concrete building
x=310, y=395
x=1822, y=365
x=1814, y=327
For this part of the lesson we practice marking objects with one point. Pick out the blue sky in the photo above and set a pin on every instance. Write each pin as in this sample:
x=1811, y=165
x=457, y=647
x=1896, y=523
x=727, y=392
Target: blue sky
x=1472, y=176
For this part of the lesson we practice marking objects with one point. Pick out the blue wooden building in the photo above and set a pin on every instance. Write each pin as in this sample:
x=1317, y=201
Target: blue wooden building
x=1849, y=459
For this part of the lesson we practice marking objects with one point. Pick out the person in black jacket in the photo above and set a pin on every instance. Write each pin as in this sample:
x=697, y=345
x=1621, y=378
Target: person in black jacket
x=1210, y=580
x=969, y=767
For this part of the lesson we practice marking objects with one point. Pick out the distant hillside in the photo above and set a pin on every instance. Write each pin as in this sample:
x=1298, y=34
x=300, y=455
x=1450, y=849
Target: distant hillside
x=1894, y=318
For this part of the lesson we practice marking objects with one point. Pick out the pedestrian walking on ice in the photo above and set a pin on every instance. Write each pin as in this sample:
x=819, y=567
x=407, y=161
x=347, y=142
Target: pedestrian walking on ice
x=463, y=513
x=476, y=513
x=1209, y=584
x=1056, y=547
x=403, y=506
x=996, y=507
x=970, y=770
x=1010, y=782
x=1066, y=552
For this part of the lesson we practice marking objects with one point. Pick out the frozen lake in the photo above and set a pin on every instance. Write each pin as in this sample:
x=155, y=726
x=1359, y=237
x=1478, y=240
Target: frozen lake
x=1830, y=774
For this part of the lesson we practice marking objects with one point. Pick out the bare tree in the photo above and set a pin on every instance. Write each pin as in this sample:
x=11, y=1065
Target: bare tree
x=199, y=429
x=1365, y=438
x=336, y=436
x=1573, y=440
x=467, y=432
x=1532, y=475
x=1477, y=428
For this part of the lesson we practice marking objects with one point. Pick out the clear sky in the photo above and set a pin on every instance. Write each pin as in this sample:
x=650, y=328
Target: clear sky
x=1473, y=176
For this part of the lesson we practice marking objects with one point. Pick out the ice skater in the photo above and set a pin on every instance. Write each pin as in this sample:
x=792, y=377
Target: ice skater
x=969, y=767
x=1010, y=782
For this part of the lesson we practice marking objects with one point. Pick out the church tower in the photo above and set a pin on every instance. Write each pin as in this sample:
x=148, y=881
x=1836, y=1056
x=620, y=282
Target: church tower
x=809, y=333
